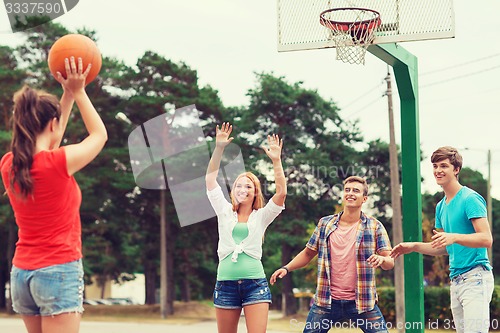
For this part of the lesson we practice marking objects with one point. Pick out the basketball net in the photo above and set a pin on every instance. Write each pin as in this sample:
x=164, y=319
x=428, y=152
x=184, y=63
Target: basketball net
x=352, y=30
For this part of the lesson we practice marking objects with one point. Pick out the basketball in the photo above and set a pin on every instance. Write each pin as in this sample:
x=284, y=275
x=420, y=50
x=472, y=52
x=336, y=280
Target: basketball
x=75, y=45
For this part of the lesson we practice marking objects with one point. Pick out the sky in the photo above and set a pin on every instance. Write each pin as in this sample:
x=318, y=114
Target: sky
x=227, y=41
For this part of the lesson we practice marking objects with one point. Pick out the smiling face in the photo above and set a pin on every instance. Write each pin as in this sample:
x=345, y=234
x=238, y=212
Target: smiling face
x=244, y=190
x=444, y=172
x=446, y=165
x=354, y=195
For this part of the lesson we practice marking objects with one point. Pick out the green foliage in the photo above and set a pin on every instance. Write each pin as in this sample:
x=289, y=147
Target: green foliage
x=473, y=179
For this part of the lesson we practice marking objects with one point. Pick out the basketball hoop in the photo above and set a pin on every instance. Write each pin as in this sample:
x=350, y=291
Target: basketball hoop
x=352, y=30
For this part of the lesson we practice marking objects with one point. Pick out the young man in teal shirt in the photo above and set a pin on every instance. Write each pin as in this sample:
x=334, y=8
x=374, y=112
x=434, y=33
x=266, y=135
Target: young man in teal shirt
x=462, y=232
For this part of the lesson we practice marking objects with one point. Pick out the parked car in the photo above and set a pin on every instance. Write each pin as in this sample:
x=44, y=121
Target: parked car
x=109, y=301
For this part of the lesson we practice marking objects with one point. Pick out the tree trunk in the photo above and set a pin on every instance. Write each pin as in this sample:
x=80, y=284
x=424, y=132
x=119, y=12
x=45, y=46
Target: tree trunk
x=186, y=271
x=102, y=280
x=185, y=290
x=163, y=257
x=11, y=247
x=150, y=277
x=170, y=269
x=4, y=268
x=289, y=303
x=3, y=283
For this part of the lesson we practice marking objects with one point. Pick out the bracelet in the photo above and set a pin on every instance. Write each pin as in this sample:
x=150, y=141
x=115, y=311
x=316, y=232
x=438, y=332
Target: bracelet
x=286, y=269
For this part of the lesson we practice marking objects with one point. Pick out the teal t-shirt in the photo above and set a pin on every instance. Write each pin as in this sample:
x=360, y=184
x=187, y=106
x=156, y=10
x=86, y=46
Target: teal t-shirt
x=455, y=217
x=246, y=267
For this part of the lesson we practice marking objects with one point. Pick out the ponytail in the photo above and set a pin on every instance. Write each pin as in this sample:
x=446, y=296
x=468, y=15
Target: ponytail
x=33, y=110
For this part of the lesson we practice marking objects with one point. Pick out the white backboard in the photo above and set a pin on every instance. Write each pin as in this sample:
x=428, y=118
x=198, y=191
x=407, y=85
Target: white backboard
x=402, y=21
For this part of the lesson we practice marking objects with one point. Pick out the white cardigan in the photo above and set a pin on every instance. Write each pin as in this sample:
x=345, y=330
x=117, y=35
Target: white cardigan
x=258, y=221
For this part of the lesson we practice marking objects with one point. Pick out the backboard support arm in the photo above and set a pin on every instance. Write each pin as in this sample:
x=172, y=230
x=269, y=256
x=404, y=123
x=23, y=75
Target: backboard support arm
x=405, y=68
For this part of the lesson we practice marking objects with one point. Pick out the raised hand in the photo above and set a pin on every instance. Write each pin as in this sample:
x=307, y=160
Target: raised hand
x=222, y=138
x=75, y=76
x=275, y=144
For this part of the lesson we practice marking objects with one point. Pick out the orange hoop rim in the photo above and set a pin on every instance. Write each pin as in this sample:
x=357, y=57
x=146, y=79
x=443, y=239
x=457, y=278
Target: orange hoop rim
x=369, y=24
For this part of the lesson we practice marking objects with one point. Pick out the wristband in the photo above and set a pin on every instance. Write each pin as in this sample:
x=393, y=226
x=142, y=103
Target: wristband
x=286, y=269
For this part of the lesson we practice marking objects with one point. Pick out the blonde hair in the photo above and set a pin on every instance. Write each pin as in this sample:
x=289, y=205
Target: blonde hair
x=258, y=200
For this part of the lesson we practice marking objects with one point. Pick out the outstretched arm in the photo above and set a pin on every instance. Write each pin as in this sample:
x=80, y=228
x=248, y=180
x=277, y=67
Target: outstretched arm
x=222, y=139
x=424, y=248
x=274, y=153
x=301, y=260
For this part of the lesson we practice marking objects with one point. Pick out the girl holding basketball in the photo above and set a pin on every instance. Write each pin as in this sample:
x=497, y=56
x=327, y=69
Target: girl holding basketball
x=241, y=281
x=47, y=273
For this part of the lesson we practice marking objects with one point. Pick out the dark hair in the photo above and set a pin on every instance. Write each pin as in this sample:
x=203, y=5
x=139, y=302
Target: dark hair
x=33, y=110
x=450, y=153
x=356, y=179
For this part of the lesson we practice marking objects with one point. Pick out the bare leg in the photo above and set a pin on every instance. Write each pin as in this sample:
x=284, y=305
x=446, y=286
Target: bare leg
x=63, y=323
x=256, y=317
x=227, y=320
x=33, y=324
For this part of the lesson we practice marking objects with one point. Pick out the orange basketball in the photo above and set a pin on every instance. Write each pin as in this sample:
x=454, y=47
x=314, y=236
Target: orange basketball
x=77, y=46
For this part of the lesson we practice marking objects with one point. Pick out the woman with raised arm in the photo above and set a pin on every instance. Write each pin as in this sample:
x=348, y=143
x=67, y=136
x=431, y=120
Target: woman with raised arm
x=47, y=273
x=241, y=281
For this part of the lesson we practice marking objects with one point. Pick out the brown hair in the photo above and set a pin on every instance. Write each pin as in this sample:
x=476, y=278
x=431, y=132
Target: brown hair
x=356, y=179
x=450, y=153
x=258, y=201
x=33, y=110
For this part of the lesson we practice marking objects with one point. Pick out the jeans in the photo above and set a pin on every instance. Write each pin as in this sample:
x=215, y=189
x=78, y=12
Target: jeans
x=344, y=314
x=470, y=295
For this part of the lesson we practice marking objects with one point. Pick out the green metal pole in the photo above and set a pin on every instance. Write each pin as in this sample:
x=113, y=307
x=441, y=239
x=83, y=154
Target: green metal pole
x=406, y=73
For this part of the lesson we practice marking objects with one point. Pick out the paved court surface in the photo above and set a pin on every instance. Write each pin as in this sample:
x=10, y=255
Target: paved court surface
x=15, y=325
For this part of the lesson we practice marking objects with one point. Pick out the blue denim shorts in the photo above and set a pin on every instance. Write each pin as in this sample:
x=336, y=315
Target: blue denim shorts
x=239, y=293
x=48, y=291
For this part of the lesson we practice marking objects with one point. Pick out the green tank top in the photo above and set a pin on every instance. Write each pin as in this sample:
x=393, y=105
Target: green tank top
x=246, y=267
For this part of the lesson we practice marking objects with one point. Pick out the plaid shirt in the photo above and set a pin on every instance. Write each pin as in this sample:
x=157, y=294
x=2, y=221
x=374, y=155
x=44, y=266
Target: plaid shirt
x=371, y=238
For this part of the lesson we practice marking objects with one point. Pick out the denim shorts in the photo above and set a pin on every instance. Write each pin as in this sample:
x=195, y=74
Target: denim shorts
x=48, y=291
x=239, y=293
